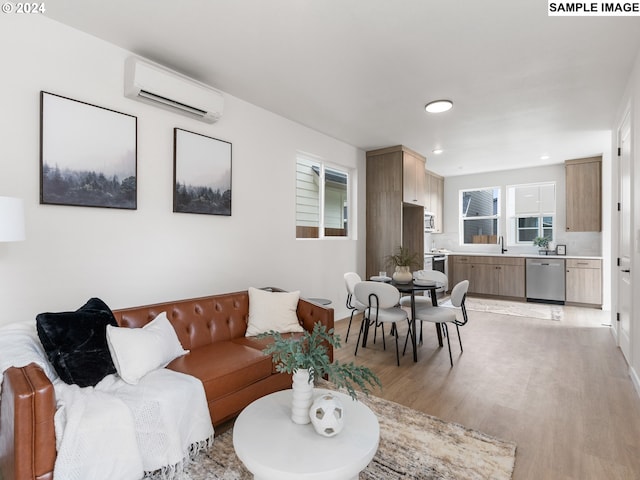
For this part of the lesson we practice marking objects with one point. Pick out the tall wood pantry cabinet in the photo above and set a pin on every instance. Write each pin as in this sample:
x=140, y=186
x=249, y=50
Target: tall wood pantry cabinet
x=395, y=205
x=584, y=194
x=433, y=198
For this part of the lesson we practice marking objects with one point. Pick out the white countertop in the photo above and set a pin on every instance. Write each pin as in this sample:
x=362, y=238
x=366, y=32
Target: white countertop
x=521, y=255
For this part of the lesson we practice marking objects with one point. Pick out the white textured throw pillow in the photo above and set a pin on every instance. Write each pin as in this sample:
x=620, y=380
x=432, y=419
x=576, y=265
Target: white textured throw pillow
x=138, y=351
x=272, y=311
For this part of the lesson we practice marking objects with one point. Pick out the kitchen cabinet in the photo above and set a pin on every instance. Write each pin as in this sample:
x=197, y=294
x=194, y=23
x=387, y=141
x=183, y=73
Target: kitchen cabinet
x=584, y=281
x=584, y=194
x=395, y=212
x=434, y=198
x=489, y=275
x=413, y=178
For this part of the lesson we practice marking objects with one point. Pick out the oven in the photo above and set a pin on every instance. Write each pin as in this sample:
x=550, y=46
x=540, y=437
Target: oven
x=435, y=261
x=440, y=263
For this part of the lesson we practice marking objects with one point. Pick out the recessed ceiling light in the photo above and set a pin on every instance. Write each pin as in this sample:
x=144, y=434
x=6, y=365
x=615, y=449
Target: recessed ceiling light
x=438, y=106
x=437, y=151
x=545, y=157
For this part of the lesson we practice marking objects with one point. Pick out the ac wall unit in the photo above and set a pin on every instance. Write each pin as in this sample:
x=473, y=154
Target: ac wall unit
x=154, y=84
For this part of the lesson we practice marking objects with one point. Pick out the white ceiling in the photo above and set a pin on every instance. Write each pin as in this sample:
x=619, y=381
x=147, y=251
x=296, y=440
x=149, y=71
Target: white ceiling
x=523, y=84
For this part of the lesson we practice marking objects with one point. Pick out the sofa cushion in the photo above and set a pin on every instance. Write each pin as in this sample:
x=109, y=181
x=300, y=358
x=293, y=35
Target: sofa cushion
x=224, y=367
x=272, y=311
x=138, y=351
x=76, y=342
x=260, y=343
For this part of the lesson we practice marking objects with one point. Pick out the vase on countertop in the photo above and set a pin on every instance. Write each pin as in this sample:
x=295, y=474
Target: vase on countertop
x=402, y=274
x=302, y=396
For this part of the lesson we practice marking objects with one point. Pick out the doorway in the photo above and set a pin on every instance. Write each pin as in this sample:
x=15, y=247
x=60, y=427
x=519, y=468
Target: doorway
x=625, y=241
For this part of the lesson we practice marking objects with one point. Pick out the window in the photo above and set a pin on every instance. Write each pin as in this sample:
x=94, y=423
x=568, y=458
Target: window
x=531, y=211
x=479, y=215
x=322, y=199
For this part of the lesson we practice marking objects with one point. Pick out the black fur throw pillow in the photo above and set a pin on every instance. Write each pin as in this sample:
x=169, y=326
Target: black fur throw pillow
x=76, y=342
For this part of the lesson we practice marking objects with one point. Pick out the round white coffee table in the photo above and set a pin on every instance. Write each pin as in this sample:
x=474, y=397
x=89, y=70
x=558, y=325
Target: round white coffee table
x=272, y=447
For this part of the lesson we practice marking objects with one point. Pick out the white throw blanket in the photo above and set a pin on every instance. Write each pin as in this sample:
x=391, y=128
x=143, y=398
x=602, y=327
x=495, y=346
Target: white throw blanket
x=20, y=346
x=115, y=430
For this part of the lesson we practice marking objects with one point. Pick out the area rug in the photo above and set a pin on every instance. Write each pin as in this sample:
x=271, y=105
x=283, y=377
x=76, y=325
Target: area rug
x=518, y=309
x=413, y=446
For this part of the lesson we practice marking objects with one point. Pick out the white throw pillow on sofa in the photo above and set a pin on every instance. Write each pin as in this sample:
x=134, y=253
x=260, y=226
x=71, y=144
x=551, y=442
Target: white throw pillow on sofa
x=138, y=351
x=272, y=311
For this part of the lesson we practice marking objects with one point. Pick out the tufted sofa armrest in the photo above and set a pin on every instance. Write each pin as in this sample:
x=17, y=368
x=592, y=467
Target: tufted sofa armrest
x=310, y=313
x=27, y=440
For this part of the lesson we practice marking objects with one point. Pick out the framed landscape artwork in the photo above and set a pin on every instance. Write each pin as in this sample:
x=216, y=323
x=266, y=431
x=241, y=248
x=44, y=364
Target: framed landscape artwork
x=88, y=154
x=201, y=173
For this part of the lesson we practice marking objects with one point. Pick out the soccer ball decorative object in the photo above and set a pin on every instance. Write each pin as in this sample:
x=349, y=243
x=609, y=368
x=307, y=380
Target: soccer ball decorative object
x=327, y=415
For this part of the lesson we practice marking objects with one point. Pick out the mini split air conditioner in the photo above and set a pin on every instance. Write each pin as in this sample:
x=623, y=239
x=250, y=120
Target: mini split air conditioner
x=151, y=83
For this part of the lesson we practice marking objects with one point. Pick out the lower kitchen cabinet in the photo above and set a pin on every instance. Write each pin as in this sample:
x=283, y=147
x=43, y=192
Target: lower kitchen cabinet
x=584, y=281
x=490, y=275
x=505, y=277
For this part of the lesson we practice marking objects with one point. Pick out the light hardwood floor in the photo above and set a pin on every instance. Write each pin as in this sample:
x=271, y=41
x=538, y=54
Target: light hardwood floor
x=559, y=389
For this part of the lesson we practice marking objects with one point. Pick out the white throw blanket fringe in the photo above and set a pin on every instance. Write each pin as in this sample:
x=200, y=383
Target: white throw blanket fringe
x=115, y=430
x=172, y=472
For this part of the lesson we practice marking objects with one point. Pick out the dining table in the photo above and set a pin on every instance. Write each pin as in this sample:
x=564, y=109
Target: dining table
x=412, y=288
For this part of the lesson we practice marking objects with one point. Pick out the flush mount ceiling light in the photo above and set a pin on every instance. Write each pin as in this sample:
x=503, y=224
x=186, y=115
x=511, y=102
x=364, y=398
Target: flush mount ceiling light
x=438, y=106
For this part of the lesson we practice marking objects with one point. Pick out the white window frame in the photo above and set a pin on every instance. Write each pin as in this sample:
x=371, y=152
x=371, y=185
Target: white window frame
x=540, y=229
x=462, y=218
x=350, y=201
x=513, y=216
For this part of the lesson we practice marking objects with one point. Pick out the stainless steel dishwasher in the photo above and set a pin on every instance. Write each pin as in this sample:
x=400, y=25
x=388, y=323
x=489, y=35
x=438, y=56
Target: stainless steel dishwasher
x=545, y=280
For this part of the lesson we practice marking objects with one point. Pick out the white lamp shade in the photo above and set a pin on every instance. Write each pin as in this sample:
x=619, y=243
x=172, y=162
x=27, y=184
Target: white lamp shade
x=11, y=219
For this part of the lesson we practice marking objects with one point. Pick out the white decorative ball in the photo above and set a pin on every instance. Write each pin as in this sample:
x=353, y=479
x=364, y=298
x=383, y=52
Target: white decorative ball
x=327, y=415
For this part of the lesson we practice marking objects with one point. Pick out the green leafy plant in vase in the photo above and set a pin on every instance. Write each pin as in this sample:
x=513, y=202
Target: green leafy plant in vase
x=403, y=260
x=543, y=243
x=307, y=358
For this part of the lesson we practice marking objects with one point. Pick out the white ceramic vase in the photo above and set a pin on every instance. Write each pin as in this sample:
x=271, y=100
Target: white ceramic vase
x=302, y=396
x=402, y=274
x=327, y=415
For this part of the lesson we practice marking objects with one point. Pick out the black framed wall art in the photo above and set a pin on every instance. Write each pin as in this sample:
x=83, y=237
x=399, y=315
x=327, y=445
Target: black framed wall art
x=88, y=154
x=201, y=174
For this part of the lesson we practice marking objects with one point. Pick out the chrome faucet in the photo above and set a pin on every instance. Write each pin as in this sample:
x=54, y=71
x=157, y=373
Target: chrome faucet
x=501, y=242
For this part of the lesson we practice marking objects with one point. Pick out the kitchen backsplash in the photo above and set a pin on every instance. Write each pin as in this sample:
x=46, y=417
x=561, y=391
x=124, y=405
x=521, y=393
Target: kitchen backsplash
x=578, y=243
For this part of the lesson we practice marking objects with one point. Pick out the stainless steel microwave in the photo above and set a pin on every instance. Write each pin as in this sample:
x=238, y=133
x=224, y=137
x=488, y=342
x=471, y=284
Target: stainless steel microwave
x=429, y=222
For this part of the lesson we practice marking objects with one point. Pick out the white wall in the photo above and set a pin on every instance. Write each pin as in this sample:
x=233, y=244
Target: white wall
x=585, y=243
x=150, y=255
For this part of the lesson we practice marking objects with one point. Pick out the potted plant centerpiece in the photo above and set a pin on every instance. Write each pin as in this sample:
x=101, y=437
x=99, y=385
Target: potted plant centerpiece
x=403, y=260
x=307, y=358
x=543, y=243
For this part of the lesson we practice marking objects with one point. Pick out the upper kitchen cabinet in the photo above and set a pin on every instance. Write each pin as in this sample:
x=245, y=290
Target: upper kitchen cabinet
x=412, y=177
x=434, y=198
x=584, y=194
x=395, y=207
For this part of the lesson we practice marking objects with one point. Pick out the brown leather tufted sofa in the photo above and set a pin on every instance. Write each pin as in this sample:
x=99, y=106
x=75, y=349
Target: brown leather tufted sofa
x=233, y=370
